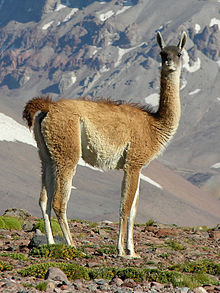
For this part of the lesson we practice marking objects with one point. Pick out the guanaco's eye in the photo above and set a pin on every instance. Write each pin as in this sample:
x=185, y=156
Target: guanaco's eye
x=179, y=54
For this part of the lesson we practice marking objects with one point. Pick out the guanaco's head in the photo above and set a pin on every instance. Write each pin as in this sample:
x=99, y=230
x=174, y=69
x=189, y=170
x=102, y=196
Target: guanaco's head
x=171, y=55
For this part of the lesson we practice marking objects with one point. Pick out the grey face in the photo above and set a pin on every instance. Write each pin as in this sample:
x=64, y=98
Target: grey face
x=171, y=58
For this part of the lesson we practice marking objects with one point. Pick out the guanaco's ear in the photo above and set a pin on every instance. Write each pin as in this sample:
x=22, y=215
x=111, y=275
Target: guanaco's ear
x=182, y=41
x=160, y=41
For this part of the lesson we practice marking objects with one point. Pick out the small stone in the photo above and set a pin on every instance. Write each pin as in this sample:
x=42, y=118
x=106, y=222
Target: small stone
x=184, y=290
x=38, y=232
x=152, y=229
x=28, y=226
x=120, y=290
x=50, y=287
x=199, y=290
x=116, y=281
x=100, y=281
x=107, y=222
x=103, y=233
x=39, y=240
x=17, y=213
x=92, y=264
x=129, y=283
x=78, y=285
x=64, y=287
x=214, y=234
x=156, y=286
x=167, y=232
x=56, y=274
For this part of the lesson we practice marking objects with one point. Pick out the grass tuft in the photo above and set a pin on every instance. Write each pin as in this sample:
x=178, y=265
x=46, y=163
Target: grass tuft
x=55, y=226
x=205, y=266
x=10, y=223
x=15, y=255
x=5, y=266
x=56, y=251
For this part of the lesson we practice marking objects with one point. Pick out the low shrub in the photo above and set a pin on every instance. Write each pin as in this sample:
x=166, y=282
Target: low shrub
x=5, y=266
x=54, y=225
x=204, y=266
x=56, y=251
x=72, y=271
x=14, y=255
x=10, y=223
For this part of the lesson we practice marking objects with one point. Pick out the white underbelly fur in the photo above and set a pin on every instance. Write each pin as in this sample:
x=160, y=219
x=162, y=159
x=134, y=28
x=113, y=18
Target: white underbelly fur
x=98, y=151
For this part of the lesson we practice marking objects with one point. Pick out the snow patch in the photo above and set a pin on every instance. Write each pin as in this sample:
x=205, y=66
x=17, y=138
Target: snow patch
x=147, y=179
x=104, y=69
x=47, y=25
x=122, y=10
x=59, y=7
x=215, y=21
x=152, y=99
x=72, y=12
x=106, y=15
x=194, y=92
x=12, y=131
x=195, y=67
x=122, y=52
x=216, y=166
x=184, y=84
x=197, y=28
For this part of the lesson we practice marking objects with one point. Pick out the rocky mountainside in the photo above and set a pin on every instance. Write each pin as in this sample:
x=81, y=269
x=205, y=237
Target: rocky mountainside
x=173, y=259
x=108, y=48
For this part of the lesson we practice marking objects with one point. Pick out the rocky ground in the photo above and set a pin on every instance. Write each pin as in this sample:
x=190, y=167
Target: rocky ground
x=162, y=248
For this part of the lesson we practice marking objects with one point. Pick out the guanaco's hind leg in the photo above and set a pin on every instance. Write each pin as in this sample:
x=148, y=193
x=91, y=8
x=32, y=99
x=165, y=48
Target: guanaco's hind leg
x=128, y=208
x=60, y=200
x=45, y=201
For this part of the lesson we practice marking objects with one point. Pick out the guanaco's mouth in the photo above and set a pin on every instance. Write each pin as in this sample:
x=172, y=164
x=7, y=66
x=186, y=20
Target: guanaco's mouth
x=170, y=66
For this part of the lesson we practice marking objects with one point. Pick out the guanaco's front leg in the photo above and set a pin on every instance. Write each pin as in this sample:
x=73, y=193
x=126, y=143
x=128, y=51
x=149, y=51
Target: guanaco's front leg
x=128, y=208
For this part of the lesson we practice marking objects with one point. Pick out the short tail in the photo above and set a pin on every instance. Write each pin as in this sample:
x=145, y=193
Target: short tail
x=35, y=105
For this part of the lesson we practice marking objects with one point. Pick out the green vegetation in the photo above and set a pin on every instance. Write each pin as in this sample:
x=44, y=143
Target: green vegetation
x=27, y=285
x=5, y=266
x=14, y=255
x=93, y=225
x=164, y=255
x=150, y=222
x=42, y=286
x=56, y=251
x=205, y=266
x=200, y=229
x=106, y=249
x=74, y=271
x=55, y=226
x=10, y=223
x=175, y=245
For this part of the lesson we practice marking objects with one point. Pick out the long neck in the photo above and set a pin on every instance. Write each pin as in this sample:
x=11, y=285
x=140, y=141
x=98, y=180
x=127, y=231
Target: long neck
x=166, y=119
x=169, y=107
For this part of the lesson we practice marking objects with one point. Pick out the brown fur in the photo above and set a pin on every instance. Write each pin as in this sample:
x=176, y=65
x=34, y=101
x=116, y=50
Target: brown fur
x=106, y=134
